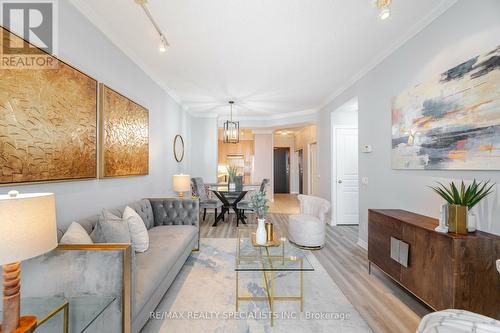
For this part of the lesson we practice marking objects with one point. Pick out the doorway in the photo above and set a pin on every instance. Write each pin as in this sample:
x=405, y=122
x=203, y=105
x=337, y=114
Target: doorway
x=345, y=178
x=300, y=167
x=281, y=170
x=313, y=169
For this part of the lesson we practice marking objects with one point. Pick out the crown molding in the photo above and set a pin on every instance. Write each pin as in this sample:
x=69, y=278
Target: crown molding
x=417, y=28
x=259, y=118
x=101, y=24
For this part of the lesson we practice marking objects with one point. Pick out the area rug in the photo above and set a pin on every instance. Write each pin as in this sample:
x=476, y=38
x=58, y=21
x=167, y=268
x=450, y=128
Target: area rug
x=202, y=299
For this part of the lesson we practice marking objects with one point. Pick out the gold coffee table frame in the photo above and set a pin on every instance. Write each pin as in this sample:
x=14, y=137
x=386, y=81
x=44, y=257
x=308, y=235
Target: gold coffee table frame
x=63, y=307
x=268, y=274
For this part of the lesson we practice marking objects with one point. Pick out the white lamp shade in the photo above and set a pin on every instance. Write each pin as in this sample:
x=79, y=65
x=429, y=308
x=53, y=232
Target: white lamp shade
x=27, y=226
x=181, y=183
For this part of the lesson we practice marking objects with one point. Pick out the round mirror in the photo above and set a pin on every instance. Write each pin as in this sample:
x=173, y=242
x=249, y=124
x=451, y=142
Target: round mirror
x=178, y=148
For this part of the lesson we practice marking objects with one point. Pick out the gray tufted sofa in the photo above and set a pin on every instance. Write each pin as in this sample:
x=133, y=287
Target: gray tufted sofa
x=137, y=280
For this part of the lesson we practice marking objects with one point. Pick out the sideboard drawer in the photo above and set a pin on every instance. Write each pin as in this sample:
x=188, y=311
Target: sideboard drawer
x=380, y=230
x=430, y=271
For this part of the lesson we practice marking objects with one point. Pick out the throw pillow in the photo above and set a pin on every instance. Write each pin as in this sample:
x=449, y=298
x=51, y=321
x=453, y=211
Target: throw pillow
x=110, y=229
x=76, y=235
x=138, y=232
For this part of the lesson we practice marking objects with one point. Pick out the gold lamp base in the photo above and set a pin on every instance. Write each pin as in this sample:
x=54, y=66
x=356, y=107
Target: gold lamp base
x=12, y=322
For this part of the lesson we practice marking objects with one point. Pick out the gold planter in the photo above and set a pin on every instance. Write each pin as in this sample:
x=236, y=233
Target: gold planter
x=457, y=219
x=269, y=232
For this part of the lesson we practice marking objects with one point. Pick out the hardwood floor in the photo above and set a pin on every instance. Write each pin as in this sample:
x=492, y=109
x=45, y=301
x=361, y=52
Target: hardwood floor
x=284, y=204
x=383, y=304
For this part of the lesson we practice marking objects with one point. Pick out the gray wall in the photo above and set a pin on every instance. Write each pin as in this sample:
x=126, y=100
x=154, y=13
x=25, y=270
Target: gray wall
x=204, y=148
x=467, y=29
x=82, y=45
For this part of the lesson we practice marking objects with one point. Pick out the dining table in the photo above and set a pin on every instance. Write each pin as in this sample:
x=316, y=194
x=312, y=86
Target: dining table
x=230, y=198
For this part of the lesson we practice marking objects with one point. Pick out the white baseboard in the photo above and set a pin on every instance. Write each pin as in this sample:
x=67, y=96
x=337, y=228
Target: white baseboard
x=294, y=192
x=362, y=244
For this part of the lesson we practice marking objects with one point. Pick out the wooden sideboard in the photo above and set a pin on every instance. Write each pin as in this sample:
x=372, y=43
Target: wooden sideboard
x=445, y=271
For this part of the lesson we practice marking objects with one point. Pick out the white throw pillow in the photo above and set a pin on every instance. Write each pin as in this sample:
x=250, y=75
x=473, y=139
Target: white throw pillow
x=138, y=232
x=76, y=235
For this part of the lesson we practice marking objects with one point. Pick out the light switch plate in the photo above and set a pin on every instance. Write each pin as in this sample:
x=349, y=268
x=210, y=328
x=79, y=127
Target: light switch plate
x=364, y=180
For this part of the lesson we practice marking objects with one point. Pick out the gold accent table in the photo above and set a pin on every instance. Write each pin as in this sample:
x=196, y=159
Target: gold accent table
x=84, y=311
x=275, y=257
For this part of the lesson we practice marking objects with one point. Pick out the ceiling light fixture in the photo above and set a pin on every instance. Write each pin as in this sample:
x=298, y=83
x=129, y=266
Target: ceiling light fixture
x=163, y=40
x=384, y=7
x=231, y=128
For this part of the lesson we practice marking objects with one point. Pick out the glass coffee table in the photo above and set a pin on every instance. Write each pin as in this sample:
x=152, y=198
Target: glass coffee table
x=60, y=314
x=276, y=257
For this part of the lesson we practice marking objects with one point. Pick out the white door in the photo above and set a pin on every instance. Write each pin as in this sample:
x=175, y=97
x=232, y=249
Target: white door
x=313, y=153
x=347, y=211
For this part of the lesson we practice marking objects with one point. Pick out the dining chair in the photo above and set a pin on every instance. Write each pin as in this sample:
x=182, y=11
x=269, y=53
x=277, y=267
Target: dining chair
x=205, y=202
x=244, y=205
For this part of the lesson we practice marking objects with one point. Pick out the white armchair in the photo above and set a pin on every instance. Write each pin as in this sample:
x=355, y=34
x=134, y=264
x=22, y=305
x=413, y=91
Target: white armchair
x=307, y=229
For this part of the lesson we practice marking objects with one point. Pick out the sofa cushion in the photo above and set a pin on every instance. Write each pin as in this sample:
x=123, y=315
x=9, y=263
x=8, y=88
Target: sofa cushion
x=166, y=244
x=76, y=235
x=138, y=232
x=111, y=229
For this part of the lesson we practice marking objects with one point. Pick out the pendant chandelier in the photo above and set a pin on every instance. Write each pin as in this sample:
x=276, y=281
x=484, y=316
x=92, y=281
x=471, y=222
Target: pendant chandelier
x=231, y=128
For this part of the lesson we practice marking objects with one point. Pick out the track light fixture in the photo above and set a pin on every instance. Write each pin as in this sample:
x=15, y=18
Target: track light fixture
x=163, y=40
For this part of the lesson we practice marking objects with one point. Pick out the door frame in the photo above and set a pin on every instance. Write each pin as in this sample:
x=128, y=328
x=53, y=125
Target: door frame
x=309, y=169
x=298, y=160
x=289, y=162
x=334, y=166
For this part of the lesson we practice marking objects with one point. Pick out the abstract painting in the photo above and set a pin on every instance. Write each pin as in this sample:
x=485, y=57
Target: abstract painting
x=48, y=120
x=124, y=139
x=451, y=122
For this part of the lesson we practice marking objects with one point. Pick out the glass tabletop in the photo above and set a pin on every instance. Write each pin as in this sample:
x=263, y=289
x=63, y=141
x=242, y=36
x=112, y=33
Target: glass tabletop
x=83, y=311
x=282, y=256
x=225, y=189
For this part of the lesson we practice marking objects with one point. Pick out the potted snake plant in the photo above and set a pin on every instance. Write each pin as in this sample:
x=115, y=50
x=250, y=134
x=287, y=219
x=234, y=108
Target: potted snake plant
x=232, y=171
x=460, y=200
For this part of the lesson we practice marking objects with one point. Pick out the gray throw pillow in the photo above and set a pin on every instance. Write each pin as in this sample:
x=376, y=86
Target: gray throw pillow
x=111, y=229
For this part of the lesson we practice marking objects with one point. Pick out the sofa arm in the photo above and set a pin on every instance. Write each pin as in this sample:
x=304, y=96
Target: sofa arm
x=175, y=211
x=85, y=270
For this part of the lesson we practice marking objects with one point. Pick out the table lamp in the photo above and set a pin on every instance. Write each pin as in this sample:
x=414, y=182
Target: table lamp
x=181, y=183
x=27, y=229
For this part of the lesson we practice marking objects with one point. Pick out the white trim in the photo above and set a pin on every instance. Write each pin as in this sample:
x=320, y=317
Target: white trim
x=362, y=244
x=262, y=117
x=418, y=27
x=309, y=171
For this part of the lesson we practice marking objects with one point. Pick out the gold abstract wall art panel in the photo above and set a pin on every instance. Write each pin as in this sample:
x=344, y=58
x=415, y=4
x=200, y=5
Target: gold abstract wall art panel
x=124, y=135
x=48, y=120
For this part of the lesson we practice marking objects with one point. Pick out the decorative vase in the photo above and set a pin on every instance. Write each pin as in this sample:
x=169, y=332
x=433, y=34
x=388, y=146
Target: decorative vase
x=443, y=220
x=457, y=219
x=232, y=186
x=260, y=234
x=269, y=232
x=471, y=222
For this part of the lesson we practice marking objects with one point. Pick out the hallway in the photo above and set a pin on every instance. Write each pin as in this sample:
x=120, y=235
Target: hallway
x=284, y=204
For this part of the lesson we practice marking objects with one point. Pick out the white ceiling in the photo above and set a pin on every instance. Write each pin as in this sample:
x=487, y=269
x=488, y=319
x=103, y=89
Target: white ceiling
x=273, y=57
